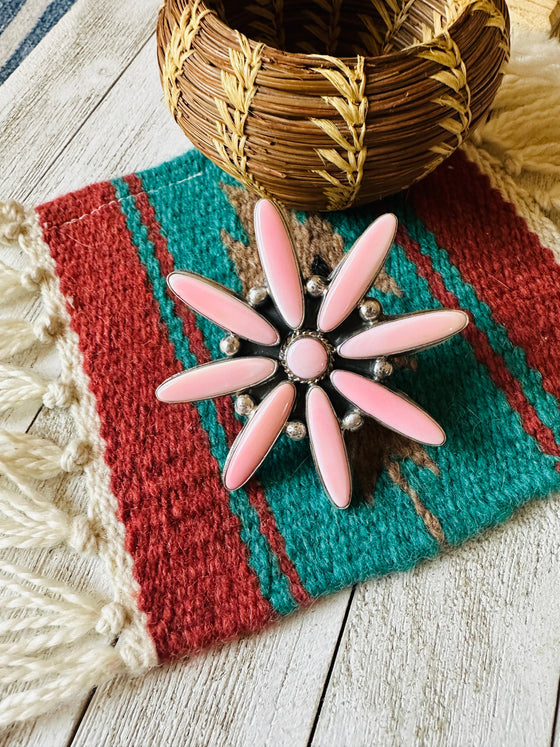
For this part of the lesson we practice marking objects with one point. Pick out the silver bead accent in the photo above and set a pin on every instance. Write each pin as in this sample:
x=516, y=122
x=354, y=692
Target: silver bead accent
x=229, y=345
x=257, y=295
x=370, y=309
x=244, y=405
x=382, y=368
x=352, y=421
x=316, y=286
x=296, y=430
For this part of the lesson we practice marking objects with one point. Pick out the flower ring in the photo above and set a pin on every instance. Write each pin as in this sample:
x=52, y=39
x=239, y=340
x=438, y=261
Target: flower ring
x=311, y=359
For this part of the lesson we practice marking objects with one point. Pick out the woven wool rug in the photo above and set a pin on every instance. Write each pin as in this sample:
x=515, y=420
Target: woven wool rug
x=191, y=564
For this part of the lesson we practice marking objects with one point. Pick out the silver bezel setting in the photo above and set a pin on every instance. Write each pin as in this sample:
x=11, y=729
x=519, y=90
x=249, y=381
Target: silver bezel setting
x=297, y=335
x=313, y=454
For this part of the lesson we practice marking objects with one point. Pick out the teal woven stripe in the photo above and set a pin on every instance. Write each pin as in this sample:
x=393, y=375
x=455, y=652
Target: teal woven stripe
x=489, y=464
x=530, y=379
x=274, y=585
x=389, y=535
x=486, y=439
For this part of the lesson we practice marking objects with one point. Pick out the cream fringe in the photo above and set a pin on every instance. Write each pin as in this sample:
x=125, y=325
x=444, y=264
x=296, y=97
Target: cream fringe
x=56, y=641
x=522, y=134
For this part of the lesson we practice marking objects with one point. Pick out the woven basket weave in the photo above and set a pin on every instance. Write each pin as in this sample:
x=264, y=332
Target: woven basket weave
x=272, y=105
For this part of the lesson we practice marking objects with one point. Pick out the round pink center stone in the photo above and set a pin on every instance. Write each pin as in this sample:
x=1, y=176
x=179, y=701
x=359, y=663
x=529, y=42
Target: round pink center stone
x=307, y=358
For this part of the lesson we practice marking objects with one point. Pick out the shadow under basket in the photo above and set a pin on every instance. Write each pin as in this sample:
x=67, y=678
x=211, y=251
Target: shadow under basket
x=324, y=104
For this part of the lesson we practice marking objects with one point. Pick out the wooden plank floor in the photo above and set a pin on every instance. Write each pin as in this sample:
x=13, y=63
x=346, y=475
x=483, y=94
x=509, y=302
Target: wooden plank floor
x=462, y=651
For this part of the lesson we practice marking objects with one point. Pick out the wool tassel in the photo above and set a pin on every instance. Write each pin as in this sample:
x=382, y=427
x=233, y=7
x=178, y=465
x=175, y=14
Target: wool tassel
x=18, y=335
x=523, y=130
x=14, y=222
x=56, y=643
x=56, y=651
x=29, y=520
x=18, y=386
x=15, y=285
x=24, y=457
x=68, y=675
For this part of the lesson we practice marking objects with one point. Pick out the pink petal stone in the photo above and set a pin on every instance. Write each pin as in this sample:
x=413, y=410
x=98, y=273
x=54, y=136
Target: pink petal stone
x=393, y=410
x=306, y=358
x=258, y=436
x=222, y=307
x=279, y=262
x=413, y=332
x=327, y=445
x=357, y=272
x=216, y=379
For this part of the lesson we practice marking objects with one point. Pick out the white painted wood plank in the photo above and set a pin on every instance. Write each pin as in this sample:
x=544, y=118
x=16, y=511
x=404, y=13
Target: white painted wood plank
x=53, y=730
x=130, y=130
x=117, y=142
x=59, y=728
x=142, y=140
x=48, y=97
x=462, y=651
x=555, y=742
x=263, y=690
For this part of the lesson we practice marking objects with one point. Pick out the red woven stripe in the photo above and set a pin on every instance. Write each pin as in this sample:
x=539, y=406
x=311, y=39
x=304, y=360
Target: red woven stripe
x=482, y=349
x=77, y=205
x=165, y=479
x=516, y=276
x=224, y=406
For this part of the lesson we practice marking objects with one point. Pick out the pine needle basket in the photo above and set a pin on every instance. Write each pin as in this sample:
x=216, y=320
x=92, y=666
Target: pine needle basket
x=323, y=104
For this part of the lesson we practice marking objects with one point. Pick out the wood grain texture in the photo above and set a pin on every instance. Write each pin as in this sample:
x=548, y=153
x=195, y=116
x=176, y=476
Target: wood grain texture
x=142, y=134
x=463, y=651
x=261, y=690
x=110, y=38
x=129, y=129
x=61, y=82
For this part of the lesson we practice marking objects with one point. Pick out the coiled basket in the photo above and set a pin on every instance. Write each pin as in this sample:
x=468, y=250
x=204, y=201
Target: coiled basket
x=323, y=104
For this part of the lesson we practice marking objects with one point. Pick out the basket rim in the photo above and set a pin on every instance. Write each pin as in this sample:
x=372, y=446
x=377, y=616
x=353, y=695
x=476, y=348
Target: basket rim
x=326, y=132
x=303, y=58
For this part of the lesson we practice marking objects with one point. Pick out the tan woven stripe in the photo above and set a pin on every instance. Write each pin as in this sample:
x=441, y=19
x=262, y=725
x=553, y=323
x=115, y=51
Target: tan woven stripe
x=457, y=102
x=315, y=236
x=352, y=106
x=239, y=89
x=178, y=51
